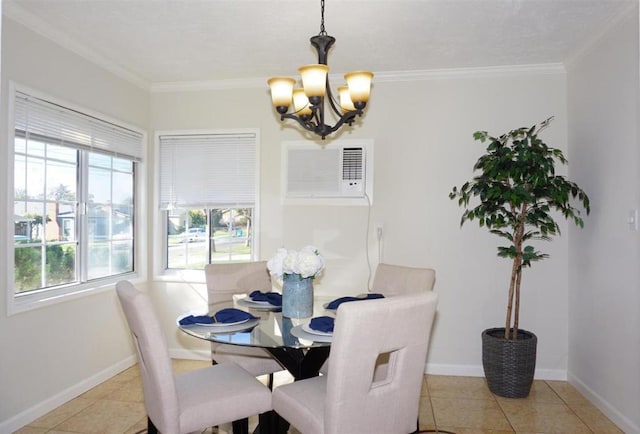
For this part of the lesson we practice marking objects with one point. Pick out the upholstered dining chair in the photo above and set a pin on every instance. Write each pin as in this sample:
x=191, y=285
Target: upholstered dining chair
x=194, y=400
x=225, y=280
x=350, y=400
x=393, y=280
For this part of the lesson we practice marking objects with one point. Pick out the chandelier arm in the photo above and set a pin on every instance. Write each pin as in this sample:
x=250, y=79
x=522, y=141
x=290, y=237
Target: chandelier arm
x=315, y=115
x=331, y=99
x=307, y=125
x=347, y=118
x=323, y=129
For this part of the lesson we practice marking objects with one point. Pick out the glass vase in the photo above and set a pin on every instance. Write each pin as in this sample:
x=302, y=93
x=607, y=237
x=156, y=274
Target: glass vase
x=297, y=296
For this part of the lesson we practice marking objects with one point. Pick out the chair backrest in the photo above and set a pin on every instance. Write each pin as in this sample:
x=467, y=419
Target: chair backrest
x=399, y=327
x=224, y=280
x=158, y=382
x=393, y=280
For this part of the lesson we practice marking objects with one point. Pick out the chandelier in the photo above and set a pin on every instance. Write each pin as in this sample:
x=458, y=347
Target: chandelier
x=309, y=100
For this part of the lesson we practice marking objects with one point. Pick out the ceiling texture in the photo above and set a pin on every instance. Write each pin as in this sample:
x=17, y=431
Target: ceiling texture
x=155, y=42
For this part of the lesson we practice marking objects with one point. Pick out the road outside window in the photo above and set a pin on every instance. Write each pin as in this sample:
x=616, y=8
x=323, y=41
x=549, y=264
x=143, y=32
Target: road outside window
x=196, y=237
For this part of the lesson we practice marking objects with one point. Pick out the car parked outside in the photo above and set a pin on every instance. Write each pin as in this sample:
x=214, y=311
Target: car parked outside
x=194, y=234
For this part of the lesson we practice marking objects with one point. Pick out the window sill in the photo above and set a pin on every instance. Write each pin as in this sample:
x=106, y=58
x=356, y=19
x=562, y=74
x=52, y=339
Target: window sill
x=185, y=276
x=28, y=302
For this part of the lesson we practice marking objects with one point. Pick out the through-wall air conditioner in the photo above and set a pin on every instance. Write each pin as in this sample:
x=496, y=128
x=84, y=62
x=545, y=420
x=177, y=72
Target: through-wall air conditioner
x=337, y=173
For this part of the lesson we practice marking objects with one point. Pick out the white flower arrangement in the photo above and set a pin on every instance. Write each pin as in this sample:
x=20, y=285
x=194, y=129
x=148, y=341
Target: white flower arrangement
x=306, y=263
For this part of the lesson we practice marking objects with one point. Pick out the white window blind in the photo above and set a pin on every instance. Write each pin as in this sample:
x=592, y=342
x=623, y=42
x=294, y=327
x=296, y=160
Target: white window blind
x=40, y=119
x=207, y=170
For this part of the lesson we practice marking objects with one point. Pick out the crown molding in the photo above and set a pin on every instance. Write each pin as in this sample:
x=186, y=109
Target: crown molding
x=193, y=86
x=475, y=72
x=13, y=11
x=380, y=77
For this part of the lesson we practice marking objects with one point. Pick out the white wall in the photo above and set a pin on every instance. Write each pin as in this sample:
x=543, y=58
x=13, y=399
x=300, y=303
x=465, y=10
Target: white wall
x=423, y=146
x=604, y=301
x=51, y=354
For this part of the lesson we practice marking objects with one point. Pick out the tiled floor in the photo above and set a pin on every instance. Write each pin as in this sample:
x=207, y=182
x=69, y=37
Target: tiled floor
x=461, y=405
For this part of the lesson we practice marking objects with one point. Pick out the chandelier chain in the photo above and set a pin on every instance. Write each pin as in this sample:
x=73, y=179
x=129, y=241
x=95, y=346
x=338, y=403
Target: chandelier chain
x=322, y=30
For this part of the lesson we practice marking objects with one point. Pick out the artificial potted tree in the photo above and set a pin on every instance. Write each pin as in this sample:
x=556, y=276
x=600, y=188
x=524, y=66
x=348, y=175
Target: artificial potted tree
x=520, y=196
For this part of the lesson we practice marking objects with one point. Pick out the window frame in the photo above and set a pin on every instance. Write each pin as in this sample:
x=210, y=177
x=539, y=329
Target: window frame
x=17, y=303
x=161, y=272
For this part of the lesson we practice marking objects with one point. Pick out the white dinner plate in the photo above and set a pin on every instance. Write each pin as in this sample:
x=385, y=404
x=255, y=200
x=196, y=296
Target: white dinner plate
x=223, y=324
x=306, y=328
x=252, y=301
x=298, y=332
x=260, y=305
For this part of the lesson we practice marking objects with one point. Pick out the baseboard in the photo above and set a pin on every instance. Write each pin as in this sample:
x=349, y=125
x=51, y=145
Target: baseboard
x=455, y=370
x=603, y=405
x=478, y=371
x=30, y=414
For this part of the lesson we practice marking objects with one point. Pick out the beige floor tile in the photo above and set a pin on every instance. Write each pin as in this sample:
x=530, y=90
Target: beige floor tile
x=103, y=389
x=424, y=391
x=542, y=417
x=128, y=374
x=425, y=414
x=31, y=430
x=540, y=392
x=55, y=431
x=129, y=391
x=469, y=413
x=445, y=386
x=138, y=427
x=456, y=430
x=595, y=419
x=105, y=417
x=568, y=393
x=180, y=366
x=62, y=413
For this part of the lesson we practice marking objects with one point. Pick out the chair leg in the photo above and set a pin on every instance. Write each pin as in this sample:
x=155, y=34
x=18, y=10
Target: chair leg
x=266, y=423
x=240, y=426
x=151, y=428
x=270, y=382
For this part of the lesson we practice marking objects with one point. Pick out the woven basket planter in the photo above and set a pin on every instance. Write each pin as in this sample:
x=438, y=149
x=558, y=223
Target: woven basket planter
x=509, y=365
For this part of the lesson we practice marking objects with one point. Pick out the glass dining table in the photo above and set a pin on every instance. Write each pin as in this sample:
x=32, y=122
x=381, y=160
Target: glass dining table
x=290, y=341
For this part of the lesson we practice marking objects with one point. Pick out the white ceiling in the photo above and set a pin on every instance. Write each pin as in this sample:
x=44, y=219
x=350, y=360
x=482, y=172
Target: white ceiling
x=167, y=41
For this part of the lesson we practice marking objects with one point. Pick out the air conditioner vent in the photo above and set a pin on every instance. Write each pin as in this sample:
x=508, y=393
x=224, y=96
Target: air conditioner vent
x=352, y=164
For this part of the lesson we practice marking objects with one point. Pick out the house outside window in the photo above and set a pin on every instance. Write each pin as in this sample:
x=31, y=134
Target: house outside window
x=208, y=184
x=74, y=199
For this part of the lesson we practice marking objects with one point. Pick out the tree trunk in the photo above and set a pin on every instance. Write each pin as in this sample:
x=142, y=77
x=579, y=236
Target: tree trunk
x=516, y=317
x=516, y=274
x=512, y=285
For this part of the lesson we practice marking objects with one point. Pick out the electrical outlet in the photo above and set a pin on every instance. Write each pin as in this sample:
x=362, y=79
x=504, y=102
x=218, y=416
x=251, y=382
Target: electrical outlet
x=632, y=219
x=379, y=231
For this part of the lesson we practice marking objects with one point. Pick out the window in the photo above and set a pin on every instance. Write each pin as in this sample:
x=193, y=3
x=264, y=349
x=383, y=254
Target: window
x=74, y=198
x=207, y=194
